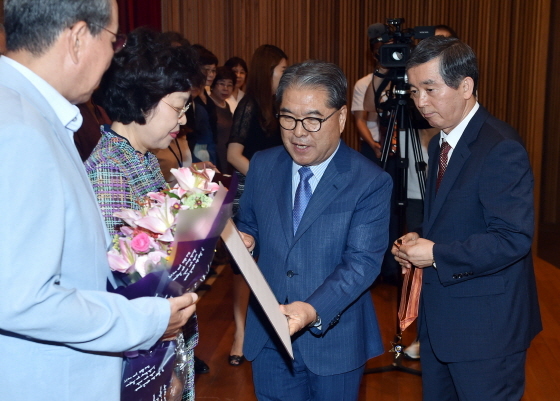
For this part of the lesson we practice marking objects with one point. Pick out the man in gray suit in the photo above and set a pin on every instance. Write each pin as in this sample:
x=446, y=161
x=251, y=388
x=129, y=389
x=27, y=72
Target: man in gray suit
x=319, y=213
x=61, y=333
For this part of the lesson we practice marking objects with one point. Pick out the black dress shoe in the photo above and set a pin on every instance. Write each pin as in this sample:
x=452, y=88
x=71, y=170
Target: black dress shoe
x=200, y=366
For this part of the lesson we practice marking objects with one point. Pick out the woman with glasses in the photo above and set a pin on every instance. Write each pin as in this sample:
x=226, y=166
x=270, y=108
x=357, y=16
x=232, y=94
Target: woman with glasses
x=255, y=128
x=146, y=93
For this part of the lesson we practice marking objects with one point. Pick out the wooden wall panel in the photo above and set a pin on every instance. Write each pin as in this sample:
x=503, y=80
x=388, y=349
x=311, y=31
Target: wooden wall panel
x=550, y=203
x=510, y=38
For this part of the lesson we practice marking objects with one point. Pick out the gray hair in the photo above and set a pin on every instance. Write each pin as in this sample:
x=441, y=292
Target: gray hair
x=34, y=25
x=315, y=74
x=457, y=59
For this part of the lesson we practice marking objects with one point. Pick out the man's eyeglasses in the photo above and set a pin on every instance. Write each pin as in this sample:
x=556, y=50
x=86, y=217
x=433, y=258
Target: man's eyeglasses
x=178, y=110
x=310, y=124
x=120, y=41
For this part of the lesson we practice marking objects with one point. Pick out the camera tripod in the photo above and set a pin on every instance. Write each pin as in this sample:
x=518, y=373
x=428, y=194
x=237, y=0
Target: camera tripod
x=402, y=138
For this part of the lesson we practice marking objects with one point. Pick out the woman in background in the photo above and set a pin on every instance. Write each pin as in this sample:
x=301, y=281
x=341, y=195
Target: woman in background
x=220, y=91
x=146, y=93
x=202, y=139
x=255, y=128
x=239, y=67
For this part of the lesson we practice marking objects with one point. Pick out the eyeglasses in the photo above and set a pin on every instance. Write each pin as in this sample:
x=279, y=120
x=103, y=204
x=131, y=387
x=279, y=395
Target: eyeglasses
x=178, y=110
x=120, y=41
x=310, y=124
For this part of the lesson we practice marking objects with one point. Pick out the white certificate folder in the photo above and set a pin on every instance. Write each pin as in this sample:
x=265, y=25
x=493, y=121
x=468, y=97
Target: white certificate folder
x=260, y=288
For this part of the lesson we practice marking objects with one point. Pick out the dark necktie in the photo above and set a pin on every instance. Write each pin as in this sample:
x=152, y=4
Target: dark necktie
x=443, y=152
x=303, y=194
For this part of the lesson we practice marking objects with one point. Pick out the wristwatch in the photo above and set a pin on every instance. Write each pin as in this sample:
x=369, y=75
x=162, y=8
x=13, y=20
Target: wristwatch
x=316, y=322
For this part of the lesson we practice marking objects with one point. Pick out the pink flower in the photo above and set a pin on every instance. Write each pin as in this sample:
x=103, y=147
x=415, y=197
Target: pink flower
x=129, y=216
x=117, y=262
x=157, y=196
x=127, y=231
x=141, y=243
x=194, y=180
x=157, y=256
x=157, y=220
x=122, y=260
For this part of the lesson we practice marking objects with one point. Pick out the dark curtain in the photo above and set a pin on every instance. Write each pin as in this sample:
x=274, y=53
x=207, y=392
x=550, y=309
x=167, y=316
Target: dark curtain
x=135, y=13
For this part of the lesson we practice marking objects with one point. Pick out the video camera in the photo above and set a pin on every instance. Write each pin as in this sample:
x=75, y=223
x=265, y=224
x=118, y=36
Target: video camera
x=396, y=53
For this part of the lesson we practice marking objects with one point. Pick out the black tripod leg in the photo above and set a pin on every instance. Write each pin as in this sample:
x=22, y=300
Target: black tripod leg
x=396, y=365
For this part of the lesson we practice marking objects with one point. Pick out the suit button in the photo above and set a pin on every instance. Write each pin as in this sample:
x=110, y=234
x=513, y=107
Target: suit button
x=290, y=274
x=454, y=276
x=459, y=275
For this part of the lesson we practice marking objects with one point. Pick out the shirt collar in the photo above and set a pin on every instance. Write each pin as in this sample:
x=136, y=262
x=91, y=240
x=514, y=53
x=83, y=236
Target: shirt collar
x=455, y=134
x=319, y=169
x=68, y=114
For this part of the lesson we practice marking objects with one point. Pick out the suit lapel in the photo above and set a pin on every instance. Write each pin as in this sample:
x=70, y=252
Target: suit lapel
x=283, y=192
x=458, y=159
x=335, y=179
x=20, y=84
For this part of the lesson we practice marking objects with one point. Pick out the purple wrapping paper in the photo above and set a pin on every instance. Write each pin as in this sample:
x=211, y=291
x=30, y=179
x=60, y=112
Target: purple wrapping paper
x=192, y=264
x=147, y=374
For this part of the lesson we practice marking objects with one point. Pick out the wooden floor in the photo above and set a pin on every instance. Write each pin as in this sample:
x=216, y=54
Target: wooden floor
x=227, y=383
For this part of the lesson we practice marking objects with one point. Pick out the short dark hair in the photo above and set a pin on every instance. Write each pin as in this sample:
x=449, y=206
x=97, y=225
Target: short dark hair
x=456, y=59
x=449, y=30
x=143, y=73
x=224, y=73
x=316, y=74
x=34, y=26
x=205, y=56
x=234, y=62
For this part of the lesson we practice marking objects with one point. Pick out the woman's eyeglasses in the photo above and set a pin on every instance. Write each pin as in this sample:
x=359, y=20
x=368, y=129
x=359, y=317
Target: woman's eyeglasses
x=178, y=110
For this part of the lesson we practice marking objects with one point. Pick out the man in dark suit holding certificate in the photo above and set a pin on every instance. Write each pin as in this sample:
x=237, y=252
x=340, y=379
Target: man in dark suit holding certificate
x=478, y=308
x=318, y=213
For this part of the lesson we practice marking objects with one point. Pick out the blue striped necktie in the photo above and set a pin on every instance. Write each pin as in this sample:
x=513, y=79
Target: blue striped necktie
x=303, y=194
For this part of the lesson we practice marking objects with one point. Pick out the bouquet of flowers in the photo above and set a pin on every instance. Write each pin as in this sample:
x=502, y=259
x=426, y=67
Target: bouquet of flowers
x=166, y=249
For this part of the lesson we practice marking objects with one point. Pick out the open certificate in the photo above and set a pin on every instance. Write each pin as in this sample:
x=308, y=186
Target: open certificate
x=258, y=284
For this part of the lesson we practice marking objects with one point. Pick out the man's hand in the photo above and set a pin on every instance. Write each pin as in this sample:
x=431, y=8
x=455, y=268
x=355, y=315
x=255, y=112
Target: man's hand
x=248, y=240
x=411, y=250
x=182, y=308
x=407, y=239
x=299, y=314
